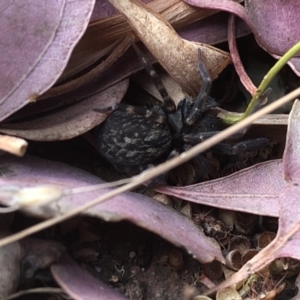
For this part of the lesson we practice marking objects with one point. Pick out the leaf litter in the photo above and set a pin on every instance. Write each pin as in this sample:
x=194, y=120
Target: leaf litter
x=265, y=179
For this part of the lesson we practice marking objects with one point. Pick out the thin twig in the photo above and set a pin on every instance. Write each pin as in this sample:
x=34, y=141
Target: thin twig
x=13, y=145
x=152, y=173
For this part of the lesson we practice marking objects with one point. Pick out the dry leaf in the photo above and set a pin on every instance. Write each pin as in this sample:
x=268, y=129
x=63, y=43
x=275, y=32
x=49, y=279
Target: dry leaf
x=177, y=56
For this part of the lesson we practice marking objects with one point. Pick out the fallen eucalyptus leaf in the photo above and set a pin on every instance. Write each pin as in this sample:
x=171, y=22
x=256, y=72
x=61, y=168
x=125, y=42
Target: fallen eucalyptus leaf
x=79, y=284
x=69, y=121
x=136, y=208
x=107, y=60
x=109, y=27
x=286, y=243
x=254, y=190
x=212, y=30
x=36, y=45
x=177, y=56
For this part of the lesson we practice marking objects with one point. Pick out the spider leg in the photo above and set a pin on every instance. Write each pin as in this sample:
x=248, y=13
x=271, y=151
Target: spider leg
x=169, y=104
x=249, y=145
x=201, y=100
x=242, y=152
x=161, y=179
x=240, y=147
x=134, y=170
x=198, y=137
x=203, y=167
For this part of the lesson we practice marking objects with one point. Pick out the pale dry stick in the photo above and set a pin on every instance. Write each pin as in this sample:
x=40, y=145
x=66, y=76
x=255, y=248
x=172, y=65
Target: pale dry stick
x=152, y=173
x=98, y=186
x=13, y=145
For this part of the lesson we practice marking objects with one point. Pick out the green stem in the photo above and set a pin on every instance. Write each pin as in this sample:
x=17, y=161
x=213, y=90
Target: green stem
x=265, y=83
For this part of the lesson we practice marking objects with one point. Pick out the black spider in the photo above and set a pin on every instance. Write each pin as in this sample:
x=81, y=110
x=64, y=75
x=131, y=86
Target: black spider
x=134, y=138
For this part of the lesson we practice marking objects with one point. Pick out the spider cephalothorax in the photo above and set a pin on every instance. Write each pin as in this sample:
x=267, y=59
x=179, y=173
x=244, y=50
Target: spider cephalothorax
x=133, y=138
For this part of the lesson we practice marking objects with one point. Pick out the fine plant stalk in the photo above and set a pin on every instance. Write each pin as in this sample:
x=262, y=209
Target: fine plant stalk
x=231, y=119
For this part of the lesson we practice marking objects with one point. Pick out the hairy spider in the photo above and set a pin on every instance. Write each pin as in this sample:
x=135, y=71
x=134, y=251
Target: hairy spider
x=134, y=138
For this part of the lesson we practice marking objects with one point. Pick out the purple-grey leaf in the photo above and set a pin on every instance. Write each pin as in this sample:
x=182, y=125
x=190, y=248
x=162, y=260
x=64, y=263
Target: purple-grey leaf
x=212, y=30
x=277, y=23
x=79, y=284
x=36, y=41
x=104, y=9
x=69, y=121
x=274, y=23
x=286, y=243
x=139, y=209
x=291, y=156
x=253, y=190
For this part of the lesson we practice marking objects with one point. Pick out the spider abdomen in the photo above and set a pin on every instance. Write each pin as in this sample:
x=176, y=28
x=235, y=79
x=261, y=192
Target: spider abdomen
x=127, y=139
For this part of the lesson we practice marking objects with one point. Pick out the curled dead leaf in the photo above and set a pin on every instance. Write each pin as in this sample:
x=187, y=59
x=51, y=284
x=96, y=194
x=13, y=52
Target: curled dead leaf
x=213, y=270
x=178, y=56
x=233, y=260
x=248, y=254
x=264, y=239
x=240, y=243
x=69, y=121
